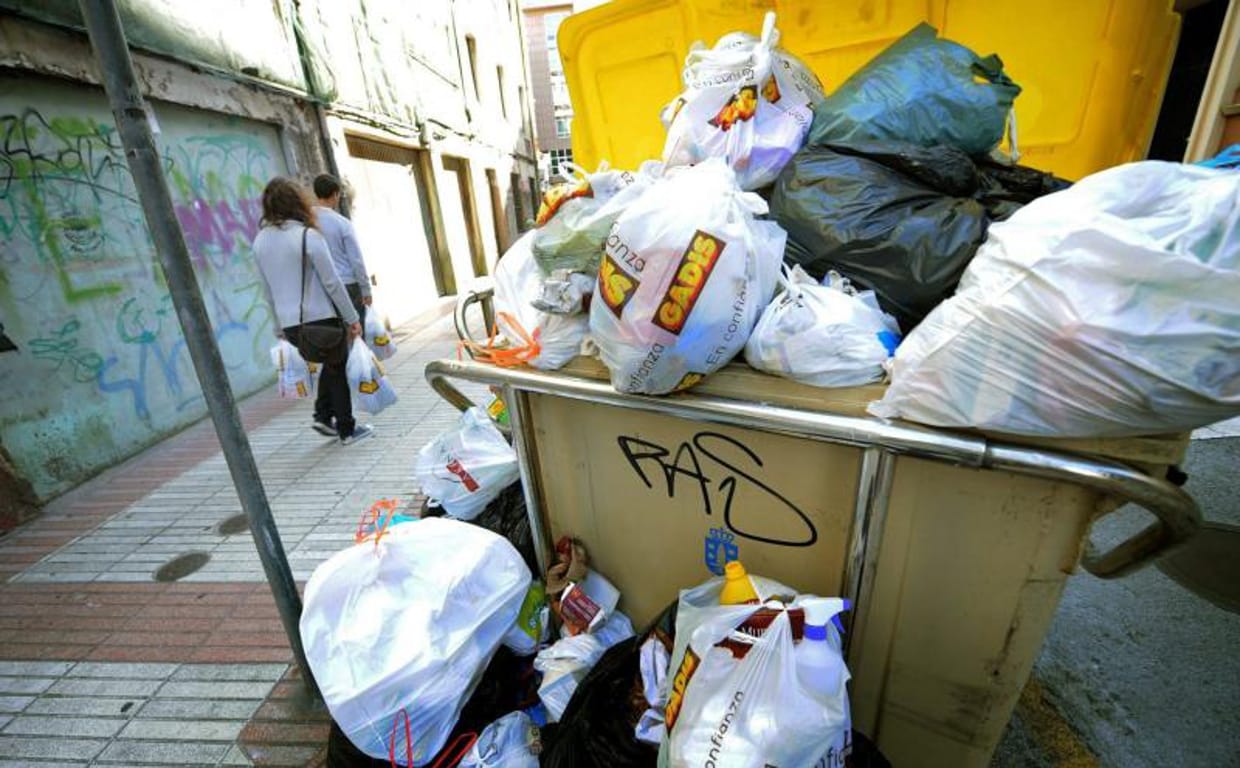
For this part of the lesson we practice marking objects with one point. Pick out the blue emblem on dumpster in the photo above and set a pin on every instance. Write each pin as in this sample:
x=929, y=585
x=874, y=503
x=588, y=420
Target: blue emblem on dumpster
x=720, y=548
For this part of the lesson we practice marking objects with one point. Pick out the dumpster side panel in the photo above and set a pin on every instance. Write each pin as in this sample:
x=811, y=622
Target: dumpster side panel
x=661, y=502
x=971, y=569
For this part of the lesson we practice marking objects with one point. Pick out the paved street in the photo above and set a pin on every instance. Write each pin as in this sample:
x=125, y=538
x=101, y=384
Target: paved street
x=100, y=664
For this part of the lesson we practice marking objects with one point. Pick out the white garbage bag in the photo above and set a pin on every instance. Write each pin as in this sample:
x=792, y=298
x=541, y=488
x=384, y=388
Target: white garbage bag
x=1108, y=309
x=465, y=468
x=407, y=625
x=826, y=335
x=377, y=336
x=294, y=380
x=369, y=385
x=746, y=102
x=687, y=271
x=564, y=665
x=550, y=340
x=575, y=218
x=736, y=699
x=509, y=742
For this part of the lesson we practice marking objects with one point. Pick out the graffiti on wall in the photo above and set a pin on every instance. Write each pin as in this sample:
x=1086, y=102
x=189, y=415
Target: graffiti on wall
x=81, y=294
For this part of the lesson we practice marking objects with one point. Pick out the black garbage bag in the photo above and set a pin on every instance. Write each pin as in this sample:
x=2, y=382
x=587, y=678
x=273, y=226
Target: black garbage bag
x=508, y=684
x=598, y=726
x=901, y=219
x=505, y=516
x=922, y=90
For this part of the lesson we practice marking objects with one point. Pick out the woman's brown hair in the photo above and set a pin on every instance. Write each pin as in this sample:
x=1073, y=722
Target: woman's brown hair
x=285, y=200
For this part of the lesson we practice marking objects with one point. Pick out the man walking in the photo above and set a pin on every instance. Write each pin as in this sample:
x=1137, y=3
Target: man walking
x=342, y=242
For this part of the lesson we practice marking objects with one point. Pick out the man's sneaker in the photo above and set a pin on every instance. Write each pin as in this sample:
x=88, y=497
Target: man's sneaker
x=326, y=430
x=360, y=432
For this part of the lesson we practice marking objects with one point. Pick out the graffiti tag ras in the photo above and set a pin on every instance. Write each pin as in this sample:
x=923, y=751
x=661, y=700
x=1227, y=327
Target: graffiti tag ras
x=713, y=459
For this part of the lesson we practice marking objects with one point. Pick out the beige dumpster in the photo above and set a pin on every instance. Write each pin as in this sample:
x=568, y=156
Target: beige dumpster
x=955, y=548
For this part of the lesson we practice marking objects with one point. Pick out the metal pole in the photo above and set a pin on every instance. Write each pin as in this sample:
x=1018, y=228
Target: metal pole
x=103, y=23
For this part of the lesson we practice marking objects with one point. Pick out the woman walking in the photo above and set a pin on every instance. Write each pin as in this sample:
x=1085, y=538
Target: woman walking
x=305, y=290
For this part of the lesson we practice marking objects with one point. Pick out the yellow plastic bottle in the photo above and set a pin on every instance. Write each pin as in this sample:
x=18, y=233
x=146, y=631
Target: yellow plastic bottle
x=737, y=587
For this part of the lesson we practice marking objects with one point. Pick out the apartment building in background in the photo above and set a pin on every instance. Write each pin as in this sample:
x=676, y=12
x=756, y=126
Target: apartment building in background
x=422, y=108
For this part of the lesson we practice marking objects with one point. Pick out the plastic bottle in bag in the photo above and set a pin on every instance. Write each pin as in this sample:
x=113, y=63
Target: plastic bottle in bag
x=737, y=587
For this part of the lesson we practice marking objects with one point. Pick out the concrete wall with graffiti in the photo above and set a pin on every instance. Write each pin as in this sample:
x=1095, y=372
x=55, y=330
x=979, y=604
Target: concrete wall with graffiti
x=93, y=365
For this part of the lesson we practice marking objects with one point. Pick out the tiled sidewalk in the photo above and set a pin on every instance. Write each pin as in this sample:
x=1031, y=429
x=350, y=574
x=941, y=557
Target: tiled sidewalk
x=102, y=665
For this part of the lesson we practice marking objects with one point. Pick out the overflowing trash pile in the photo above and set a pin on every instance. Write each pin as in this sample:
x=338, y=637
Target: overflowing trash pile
x=883, y=233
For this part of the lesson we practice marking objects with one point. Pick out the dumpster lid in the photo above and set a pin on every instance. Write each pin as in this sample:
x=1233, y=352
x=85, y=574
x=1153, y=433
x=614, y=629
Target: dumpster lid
x=1092, y=78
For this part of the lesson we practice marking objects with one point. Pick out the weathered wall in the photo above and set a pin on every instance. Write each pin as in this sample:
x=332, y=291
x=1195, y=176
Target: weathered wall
x=238, y=36
x=100, y=368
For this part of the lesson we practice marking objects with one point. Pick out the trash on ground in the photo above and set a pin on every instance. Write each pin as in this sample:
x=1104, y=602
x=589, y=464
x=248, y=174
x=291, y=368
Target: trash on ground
x=465, y=468
x=509, y=742
x=405, y=627
x=747, y=690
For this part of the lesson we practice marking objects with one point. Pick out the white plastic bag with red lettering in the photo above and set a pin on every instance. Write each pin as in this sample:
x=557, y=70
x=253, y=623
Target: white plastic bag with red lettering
x=745, y=101
x=465, y=468
x=686, y=272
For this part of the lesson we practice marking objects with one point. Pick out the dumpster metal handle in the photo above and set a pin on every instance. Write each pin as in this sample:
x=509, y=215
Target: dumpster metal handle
x=480, y=294
x=1177, y=514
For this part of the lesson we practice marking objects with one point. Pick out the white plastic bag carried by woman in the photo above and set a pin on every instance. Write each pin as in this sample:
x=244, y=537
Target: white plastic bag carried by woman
x=378, y=337
x=465, y=468
x=823, y=335
x=687, y=270
x=746, y=102
x=371, y=390
x=1108, y=309
x=294, y=380
x=404, y=626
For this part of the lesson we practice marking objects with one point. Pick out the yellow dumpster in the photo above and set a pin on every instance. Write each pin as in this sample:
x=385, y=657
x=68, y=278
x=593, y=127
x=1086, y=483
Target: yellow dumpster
x=954, y=546
x=1092, y=73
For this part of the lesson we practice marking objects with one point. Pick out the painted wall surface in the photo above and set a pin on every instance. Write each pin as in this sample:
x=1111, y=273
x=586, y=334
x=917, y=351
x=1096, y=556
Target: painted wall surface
x=100, y=367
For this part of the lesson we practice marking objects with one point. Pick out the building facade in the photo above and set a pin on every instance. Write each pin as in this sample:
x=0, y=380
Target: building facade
x=421, y=107
x=553, y=110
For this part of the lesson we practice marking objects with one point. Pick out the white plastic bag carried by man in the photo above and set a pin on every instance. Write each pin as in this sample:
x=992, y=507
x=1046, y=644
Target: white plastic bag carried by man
x=686, y=271
x=737, y=696
x=371, y=390
x=465, y=468
x=405, y=626
x=745, y=101
x=823, y=335
x=294, y=379
x=1107, y=309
